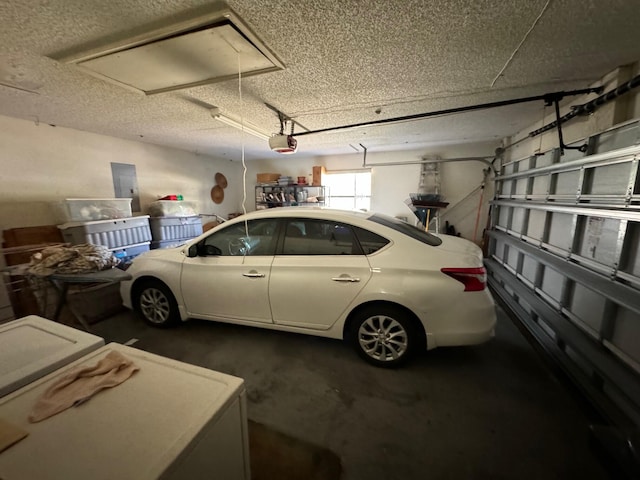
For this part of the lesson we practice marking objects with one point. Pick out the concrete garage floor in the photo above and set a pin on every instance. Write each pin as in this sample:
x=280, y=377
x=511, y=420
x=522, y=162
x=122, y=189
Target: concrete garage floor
x=493, y=411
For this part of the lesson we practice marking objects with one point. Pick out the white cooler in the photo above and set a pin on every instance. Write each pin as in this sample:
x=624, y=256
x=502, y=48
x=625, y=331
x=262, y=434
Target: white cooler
x=170, y=420
x=32, y=347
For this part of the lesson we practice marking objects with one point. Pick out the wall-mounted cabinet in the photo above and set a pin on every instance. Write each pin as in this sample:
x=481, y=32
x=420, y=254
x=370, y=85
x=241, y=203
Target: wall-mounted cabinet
x=269, y=196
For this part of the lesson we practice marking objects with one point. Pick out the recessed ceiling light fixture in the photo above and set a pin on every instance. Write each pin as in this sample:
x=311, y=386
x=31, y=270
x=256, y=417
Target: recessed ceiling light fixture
x=191, y=53
x=240, y=125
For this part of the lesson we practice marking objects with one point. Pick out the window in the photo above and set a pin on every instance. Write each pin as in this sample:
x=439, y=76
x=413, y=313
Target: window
x=234, y=240
x=349, y=190
x=407, y=229
x=369, y=241
x=318, y=237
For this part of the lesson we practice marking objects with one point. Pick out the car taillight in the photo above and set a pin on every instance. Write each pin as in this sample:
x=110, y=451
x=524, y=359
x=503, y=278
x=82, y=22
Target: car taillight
x=473, y=279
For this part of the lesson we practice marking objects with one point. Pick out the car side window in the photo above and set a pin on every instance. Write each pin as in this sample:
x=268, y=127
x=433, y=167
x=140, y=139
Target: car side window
x=304, y=236
x=369, y=241
x=257, y=238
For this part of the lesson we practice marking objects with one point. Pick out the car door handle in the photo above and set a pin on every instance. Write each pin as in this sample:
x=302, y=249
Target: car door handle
x=346, y=279
x=253, y=275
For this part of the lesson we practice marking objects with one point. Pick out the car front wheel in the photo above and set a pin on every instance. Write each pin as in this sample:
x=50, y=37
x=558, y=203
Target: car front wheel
x=383, y=336
x=156, y=304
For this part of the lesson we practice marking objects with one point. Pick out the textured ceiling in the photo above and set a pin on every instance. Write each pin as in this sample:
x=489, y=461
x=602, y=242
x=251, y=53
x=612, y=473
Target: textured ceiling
x=344, y=59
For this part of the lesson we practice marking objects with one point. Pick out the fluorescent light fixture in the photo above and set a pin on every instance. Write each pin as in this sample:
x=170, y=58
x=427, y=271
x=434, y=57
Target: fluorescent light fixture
x=243, y=126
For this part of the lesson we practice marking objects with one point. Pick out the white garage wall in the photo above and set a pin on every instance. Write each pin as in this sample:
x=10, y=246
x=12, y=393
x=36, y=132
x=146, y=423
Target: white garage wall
x=41, y=164
x=391, y=185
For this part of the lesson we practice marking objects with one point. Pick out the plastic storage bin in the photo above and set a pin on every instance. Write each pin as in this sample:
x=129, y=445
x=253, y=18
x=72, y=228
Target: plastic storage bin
x=125, y=237
x=90, y=209
x=174, y=229
x=172, y=208
x=113, y=234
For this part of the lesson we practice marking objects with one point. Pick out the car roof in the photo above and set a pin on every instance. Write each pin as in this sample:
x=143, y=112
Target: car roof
x=381, y=224
x=309, y=212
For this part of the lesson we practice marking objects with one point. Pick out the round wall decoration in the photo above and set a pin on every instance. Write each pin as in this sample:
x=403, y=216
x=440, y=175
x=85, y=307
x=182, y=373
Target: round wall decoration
x=221, y=180
x=217, y=194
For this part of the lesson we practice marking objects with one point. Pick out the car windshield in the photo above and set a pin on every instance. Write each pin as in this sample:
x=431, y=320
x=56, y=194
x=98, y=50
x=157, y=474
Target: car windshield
x=407, y=229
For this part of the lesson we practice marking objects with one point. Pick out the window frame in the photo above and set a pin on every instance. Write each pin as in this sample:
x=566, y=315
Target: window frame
x=280, y=250
x=225, y=253
x=355, y=195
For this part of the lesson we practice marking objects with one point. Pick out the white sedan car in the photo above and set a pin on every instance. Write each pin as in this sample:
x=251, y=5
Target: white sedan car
x=387, y=287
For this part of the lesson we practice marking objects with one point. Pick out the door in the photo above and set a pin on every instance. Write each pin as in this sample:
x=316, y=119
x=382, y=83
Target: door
x=232, y=280
x=318, y=273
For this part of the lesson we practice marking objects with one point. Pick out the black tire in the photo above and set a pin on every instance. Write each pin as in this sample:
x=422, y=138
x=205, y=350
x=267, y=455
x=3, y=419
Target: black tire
x=383, y=336
x=156, y=305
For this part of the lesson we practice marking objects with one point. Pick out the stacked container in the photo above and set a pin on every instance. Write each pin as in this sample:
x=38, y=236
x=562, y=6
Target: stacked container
x=106, y=222
x=173, y=222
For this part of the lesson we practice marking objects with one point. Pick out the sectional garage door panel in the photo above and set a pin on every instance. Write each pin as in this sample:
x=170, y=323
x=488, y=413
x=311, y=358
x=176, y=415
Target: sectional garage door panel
x=625, y=337
x=617, y=138
x=599, y=240
x=521, y=186
x=518, y=223
x=588, y=308
x=610, y=180
x=567, y=184
x=560, y=230
x=541, y=186
x=537, y=220
x=564, y=255
x=631, y=261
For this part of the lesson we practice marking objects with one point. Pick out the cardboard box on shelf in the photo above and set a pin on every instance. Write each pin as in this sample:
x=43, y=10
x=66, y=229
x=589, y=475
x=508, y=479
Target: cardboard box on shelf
x=318, y=171
x=267, y=177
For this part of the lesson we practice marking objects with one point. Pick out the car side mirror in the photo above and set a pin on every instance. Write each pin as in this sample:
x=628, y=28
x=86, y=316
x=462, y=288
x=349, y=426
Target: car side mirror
x=193, y=251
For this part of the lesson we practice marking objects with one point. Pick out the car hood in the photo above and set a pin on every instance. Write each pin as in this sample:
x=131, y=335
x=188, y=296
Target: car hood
x=459, y=245
x=162, y=252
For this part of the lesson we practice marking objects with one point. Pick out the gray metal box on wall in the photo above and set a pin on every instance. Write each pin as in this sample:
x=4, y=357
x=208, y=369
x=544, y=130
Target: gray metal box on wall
x=173, y=229
x=113, y=234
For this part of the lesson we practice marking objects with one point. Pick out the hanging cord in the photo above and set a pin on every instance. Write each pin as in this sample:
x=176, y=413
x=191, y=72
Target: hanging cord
x=244, y=164
x=524, y=39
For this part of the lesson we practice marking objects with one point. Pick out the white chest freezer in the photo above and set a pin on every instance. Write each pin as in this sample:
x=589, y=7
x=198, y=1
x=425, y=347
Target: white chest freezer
x=170, y=420
x=32, y=347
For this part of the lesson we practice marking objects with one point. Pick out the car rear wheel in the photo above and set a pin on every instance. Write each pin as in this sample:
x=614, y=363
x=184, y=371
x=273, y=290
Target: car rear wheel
x=383, y=336
x=156, y=304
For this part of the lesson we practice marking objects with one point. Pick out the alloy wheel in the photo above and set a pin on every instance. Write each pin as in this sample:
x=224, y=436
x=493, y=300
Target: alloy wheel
x=383, y=338
x=155, y=306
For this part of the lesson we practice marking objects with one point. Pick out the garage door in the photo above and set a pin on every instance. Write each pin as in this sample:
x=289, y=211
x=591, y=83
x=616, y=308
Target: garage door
x=564, y=255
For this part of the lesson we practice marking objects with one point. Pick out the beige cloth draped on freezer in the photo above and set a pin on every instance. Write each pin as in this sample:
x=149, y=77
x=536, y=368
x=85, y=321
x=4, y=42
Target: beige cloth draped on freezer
x=81, y=384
